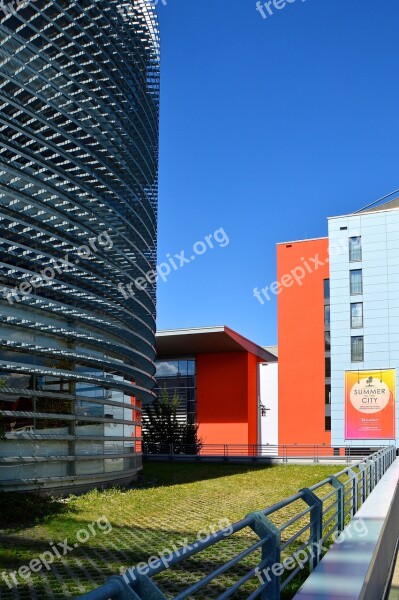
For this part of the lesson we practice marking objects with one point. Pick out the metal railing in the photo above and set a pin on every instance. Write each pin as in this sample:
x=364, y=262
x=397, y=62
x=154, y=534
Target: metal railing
x=312, y=518
x=284, y=452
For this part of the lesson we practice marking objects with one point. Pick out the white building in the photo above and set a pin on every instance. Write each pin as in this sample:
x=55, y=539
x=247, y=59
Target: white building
x=364, y=304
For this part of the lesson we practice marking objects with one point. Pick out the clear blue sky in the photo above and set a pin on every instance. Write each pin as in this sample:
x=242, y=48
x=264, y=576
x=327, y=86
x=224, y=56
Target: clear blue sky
x=268, y=126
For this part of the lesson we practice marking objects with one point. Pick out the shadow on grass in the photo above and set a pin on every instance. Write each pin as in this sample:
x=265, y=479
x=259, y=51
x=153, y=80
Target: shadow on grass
x=19, y=509
x=168, y=473
x=93, y=563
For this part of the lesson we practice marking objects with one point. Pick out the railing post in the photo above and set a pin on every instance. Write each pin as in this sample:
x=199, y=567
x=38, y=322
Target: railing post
x=353, y=476
x=379, y=463
x=363, y=473
x=145, y=589
x=271, y=553
x=366, y=487
x=370, y=467
x=316, y=524
x=339, y=486
x=375, y=471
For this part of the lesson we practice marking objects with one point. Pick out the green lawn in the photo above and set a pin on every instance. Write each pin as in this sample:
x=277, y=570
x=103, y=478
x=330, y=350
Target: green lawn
x=173, y=502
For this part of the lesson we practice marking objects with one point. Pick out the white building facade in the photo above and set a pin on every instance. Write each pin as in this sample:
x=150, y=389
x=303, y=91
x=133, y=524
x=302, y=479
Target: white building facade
x=364, y=314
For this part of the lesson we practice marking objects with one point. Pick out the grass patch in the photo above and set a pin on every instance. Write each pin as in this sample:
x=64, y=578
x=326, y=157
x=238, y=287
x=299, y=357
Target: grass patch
x=18, y=510
x=172, y=502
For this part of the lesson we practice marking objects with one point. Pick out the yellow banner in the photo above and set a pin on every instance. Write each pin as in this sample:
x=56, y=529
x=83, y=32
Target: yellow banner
x=370, y=398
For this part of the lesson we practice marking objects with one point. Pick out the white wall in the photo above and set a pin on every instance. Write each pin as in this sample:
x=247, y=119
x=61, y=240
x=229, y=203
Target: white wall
x=268, y=387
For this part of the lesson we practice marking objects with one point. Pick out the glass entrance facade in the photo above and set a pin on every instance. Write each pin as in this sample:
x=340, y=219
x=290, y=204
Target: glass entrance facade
x=178, y=376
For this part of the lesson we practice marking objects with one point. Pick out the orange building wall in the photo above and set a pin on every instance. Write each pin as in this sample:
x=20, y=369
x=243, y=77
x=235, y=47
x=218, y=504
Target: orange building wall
x=252, y=399
x=227, y=398
x=301, y=346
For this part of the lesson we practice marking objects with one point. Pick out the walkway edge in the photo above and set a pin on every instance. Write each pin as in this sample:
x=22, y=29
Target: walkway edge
x=358, y=564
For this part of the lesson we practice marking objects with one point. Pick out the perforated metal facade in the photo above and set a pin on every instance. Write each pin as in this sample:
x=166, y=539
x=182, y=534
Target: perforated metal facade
x=79, y=109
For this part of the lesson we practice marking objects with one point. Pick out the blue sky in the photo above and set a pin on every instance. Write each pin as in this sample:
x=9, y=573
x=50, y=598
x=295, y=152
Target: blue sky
x=268, y=126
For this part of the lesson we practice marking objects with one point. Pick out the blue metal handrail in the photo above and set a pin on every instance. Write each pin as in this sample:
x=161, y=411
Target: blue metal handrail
x=329, y=504
x=284, y=452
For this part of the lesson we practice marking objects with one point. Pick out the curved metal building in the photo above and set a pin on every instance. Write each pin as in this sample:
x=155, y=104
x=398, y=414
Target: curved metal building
x=79, y=111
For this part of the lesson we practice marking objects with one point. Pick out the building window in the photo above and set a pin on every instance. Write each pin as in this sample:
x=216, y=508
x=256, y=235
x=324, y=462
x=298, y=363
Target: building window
x=326, y=289
x=328, y=366
x=178, y=376
x=355, y=249
x=327, y=341
x=356, y=282
x=327, y=315
x=357, y=348
x=327, y=425
x=328, y=394
x=357, y=315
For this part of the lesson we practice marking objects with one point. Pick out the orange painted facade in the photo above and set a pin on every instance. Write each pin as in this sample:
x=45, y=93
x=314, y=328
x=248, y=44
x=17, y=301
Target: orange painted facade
x=301, y=343
x=227, y=398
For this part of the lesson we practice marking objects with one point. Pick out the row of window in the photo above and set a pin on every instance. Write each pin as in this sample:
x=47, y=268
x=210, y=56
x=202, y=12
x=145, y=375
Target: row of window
x=356, y=288
x=327, y=349
x=356, y=316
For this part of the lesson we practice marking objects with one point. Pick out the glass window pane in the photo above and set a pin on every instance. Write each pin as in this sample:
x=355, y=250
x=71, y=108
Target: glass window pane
x=328, y=394
x=357, y=348
x=191, y=367
x=183, y=368
x=356, y=282
x=327, y=315
x=355, y=249
x=356, y=315
x=167, y=368
x=326, y=289
x=328, y=366
x=327, y=341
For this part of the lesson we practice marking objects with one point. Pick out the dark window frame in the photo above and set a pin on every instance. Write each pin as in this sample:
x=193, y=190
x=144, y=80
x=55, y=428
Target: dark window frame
x=354, y=317
x=352, y=285
x=355, y=252
x=353, y=338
